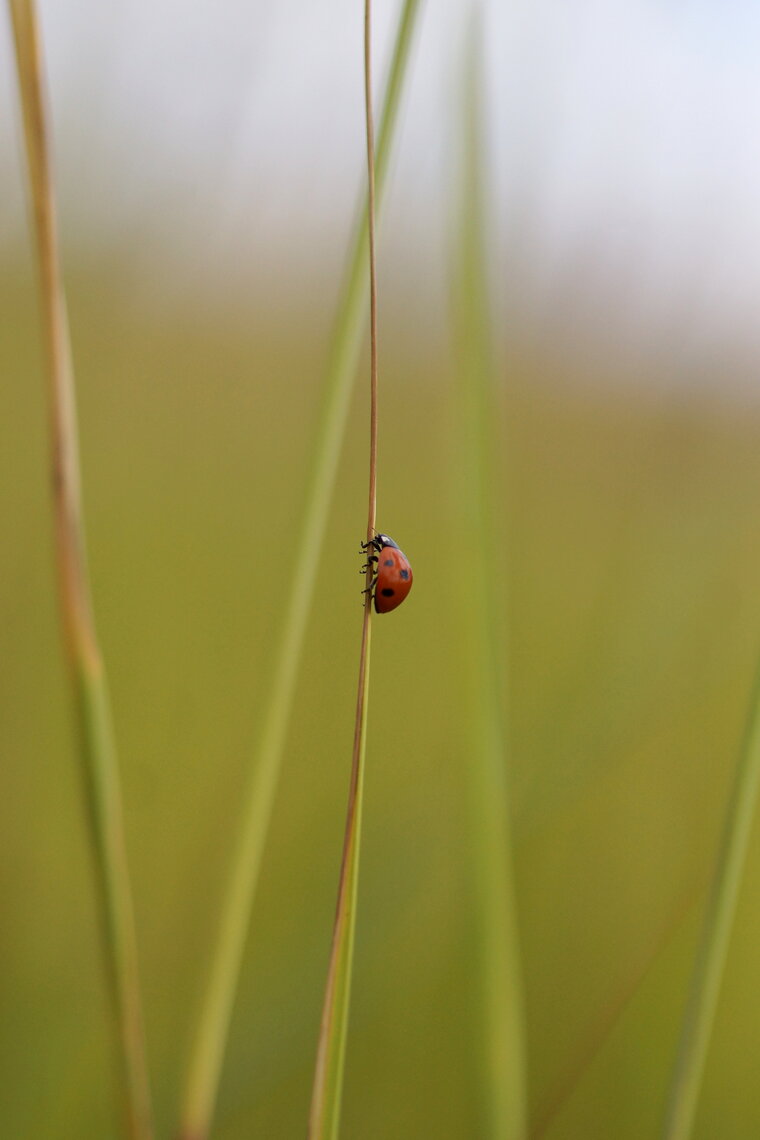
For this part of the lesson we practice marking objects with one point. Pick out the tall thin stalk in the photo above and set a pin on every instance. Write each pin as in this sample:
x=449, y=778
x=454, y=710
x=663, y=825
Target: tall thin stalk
x=96, y=741
x=213, y=1023
x=499, y=975
x=699, y=1015
x=324, y=1117
x=327, y=1089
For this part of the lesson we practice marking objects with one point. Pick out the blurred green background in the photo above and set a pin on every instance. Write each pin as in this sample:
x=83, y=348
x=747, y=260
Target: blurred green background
x=628, y=474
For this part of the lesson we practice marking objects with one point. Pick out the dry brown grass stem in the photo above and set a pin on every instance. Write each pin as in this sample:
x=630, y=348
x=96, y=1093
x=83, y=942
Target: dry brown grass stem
x=324, y=1117
x=95, y=735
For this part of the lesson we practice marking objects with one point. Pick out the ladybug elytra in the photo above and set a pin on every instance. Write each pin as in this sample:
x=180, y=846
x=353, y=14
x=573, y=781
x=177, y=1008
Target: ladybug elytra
x=392, y=579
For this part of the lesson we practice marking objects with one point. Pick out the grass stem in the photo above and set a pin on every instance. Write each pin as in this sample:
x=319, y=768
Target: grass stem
x=502, y=1059
x=327, y=1091
x=702, y=1001
x=212, y=1028
x=324, y=1118
x=96, y=740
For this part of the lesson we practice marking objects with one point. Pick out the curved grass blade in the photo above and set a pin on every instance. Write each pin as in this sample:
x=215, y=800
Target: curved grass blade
x=96, y=741
x=706, y=980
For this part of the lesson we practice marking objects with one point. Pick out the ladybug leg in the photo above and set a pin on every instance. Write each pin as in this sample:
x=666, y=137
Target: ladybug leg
x=366, y=547
x=367, y=591
x=375, y=547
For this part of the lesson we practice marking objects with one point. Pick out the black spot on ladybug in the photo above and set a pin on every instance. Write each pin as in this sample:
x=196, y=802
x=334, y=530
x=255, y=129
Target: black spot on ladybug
x=387, y=592
x=388, y=562
x=404, y=574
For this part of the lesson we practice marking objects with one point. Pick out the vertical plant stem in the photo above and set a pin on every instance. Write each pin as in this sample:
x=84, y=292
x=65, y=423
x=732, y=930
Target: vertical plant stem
x=212, y=1028
x=370, y=125
x=718, y=921
x=499, y=972
x=96, y=740
x=327, y=1092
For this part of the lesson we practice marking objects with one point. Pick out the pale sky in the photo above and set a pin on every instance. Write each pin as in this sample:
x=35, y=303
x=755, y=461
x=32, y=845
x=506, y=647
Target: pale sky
x=622, y=139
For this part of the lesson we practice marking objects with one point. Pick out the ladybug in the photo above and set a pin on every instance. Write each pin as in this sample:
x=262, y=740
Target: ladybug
x=393, y=576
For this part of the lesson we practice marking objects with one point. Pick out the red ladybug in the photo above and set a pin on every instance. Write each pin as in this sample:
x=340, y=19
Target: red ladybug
x=393, y=579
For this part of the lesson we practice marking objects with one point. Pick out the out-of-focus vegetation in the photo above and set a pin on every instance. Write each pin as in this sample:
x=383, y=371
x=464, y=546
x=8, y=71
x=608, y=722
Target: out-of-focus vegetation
x=628, y=499
x=633, y=557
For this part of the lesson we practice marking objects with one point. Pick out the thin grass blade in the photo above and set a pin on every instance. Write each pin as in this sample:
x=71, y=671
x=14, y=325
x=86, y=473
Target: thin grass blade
x=702, y=1001
x=95, y=732
x=499, y=971
x=213, y=1023
x=327, y=1093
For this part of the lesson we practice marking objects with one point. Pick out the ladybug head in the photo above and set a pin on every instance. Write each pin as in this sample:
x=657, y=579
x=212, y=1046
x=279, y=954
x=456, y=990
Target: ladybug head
x=386, y=540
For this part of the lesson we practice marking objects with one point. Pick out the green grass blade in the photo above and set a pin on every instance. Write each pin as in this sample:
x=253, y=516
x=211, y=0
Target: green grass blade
x=600, y=1030
x=703, y=996
x=327, y=1091
x=327, y=1094
x=213, y=1023
x=95, y=734
x=499, y=971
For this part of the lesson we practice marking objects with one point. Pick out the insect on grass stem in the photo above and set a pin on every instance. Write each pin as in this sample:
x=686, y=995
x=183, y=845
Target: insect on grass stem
x=324, y=1118
x=211, y=1029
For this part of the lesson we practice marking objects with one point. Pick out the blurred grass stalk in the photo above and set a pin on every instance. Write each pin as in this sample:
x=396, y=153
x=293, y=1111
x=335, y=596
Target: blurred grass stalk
x=96, y=740
x=699, y=1015
x=207, y=1051
x=327, y=1091
x=502, y=1054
